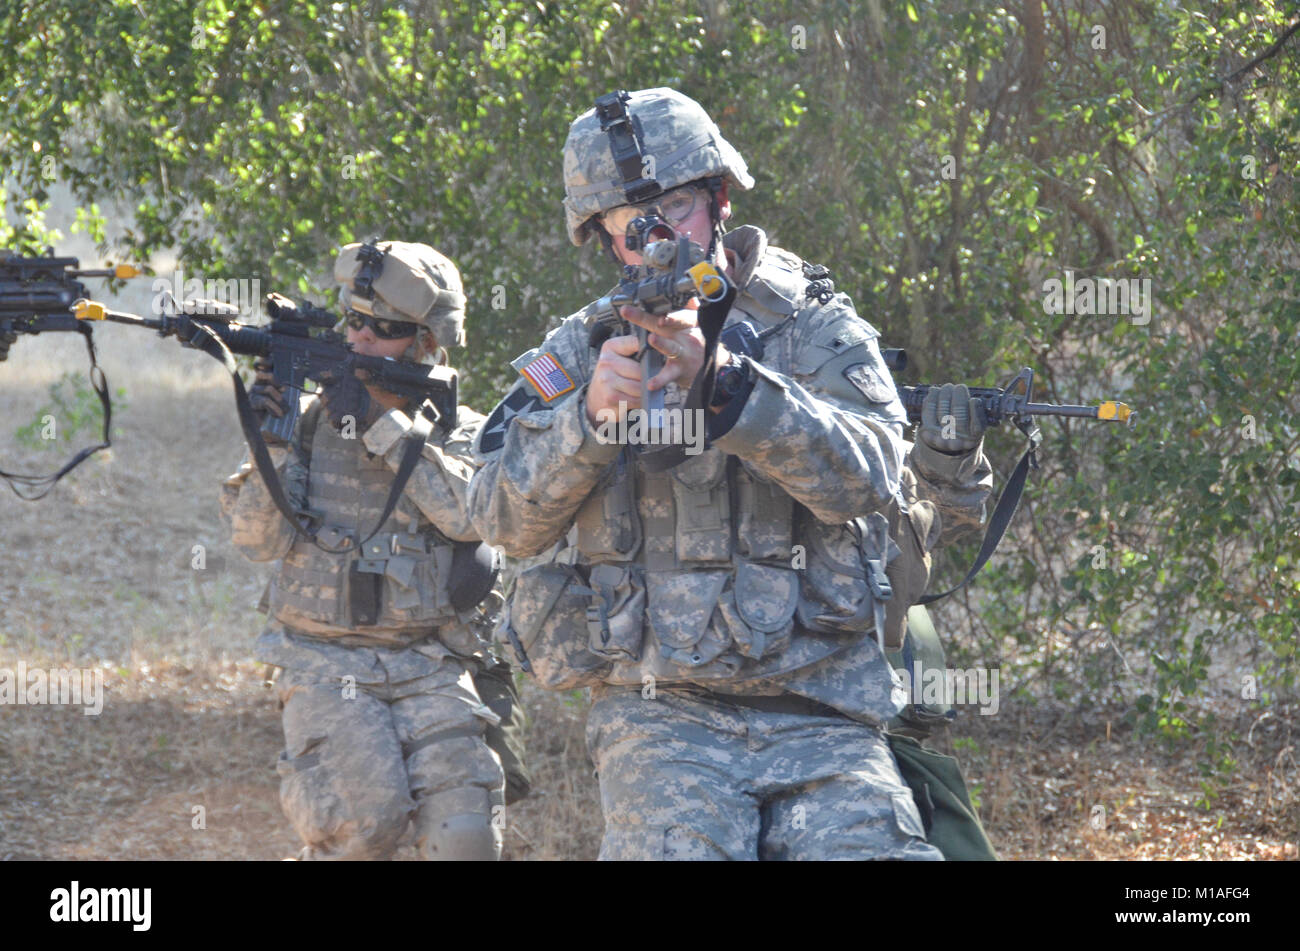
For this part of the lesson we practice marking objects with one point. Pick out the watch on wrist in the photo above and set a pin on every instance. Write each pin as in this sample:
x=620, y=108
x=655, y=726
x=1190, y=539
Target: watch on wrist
x=731, y=379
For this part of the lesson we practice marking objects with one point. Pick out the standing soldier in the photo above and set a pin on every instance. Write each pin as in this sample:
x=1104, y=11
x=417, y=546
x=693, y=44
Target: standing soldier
x=723, y=611
x=382, y=720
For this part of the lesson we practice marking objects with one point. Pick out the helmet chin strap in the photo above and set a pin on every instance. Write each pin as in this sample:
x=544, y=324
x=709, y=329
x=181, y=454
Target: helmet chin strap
x=608, y=242
x=715, y=216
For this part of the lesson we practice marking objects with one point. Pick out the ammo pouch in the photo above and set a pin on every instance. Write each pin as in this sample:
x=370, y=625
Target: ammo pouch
x=544, y=622
x=403, y=577
x=759, y=609
x=616, y=611
x=846, y=585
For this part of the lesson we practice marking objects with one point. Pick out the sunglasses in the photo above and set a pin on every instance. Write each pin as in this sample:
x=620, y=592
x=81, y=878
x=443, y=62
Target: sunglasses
x=383, y=328
x=674, y=206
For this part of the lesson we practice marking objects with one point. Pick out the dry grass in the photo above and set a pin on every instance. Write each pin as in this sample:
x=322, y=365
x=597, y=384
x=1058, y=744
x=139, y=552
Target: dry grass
x=99, y=574
x=1039, y=778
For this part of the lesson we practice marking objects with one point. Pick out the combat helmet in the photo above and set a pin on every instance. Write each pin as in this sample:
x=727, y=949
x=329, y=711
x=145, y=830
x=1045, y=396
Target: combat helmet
x=633, y=146
x=397, y=280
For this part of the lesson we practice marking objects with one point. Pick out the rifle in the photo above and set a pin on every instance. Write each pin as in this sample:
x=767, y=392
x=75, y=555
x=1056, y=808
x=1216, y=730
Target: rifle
x=674, y=270
x=37, y=295
x=1013, y=402
x=301, y=348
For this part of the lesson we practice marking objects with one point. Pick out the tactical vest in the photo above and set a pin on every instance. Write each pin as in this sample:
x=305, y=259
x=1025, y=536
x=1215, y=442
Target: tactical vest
x=707, y=571
x=397, y=582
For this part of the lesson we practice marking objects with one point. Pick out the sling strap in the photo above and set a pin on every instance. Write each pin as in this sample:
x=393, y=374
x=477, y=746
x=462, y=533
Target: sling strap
x=38, y=486
x=305, y=523
x=1003, y=512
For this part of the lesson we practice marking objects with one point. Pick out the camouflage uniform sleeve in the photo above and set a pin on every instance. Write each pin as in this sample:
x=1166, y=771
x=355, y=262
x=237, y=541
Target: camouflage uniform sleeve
x=256, y=526
x=958, y=485
x=439, y=483
x=813, y=432
x=539, y=460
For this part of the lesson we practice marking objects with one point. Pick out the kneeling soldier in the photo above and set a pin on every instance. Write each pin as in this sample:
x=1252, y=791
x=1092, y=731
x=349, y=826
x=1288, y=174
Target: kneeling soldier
x=383, y=723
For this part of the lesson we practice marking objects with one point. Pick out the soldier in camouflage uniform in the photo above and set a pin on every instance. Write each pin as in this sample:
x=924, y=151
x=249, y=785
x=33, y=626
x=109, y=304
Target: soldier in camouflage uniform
x=382, y=721
x=723, y=610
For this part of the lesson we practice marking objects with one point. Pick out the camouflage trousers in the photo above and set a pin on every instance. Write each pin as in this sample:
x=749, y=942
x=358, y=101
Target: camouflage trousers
x=694, y=775
x=363, y=760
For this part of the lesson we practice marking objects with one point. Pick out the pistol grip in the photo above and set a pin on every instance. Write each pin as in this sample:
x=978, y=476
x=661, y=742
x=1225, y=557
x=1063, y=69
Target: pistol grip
x=283, y=426
x=291, y=383
x=652, y=361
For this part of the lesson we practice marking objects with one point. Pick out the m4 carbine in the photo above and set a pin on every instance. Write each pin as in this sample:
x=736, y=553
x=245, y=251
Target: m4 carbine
x=674, y=270
x=300, y=346
x=1012, y=402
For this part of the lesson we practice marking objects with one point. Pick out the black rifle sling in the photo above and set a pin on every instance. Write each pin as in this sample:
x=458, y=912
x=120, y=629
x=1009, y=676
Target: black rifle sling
x=46, y=483
x=711, y=318
x=302, y=523
x=1003, y=512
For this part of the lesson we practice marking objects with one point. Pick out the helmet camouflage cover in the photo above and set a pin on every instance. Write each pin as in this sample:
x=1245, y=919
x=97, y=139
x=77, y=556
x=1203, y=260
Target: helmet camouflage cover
x=679, y=144
x=413, y=283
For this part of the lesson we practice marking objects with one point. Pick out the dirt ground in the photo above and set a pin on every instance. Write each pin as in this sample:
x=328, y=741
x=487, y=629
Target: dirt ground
x=179, y=765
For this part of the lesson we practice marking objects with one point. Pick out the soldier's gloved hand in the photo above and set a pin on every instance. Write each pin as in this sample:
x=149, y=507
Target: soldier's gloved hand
x=344, y=397
x=264, y=395
x=952, y=421
x=6, y=338
x=280, y=307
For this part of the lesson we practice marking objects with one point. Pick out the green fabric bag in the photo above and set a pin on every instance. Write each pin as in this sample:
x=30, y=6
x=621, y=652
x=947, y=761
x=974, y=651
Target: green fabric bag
x=951, y=823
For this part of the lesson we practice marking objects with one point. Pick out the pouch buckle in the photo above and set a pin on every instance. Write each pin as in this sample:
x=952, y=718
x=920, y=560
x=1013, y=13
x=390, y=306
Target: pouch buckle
x=881, y=589
x=334, y=536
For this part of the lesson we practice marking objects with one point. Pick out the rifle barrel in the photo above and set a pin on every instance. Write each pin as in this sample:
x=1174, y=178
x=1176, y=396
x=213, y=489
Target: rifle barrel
x=1052, y=409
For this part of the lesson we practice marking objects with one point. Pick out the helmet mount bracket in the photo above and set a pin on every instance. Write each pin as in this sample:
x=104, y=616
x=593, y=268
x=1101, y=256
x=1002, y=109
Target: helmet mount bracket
x=371, y=258
x=625, y=145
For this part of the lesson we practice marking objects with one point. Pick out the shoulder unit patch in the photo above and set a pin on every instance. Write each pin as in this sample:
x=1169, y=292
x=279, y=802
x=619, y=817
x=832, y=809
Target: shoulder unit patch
x=870, y=382
x=493, y=436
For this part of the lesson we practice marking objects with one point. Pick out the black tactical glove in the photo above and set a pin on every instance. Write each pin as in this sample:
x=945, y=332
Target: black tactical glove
x=342, y=395
x=264, y=395
x=6, y=338
x=280, y=307
x=952, y=421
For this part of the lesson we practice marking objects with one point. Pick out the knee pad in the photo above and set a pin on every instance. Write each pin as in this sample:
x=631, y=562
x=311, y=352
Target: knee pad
x=469, y=837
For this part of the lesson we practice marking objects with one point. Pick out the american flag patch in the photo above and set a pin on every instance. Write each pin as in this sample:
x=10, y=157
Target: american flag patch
x=546, y=374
